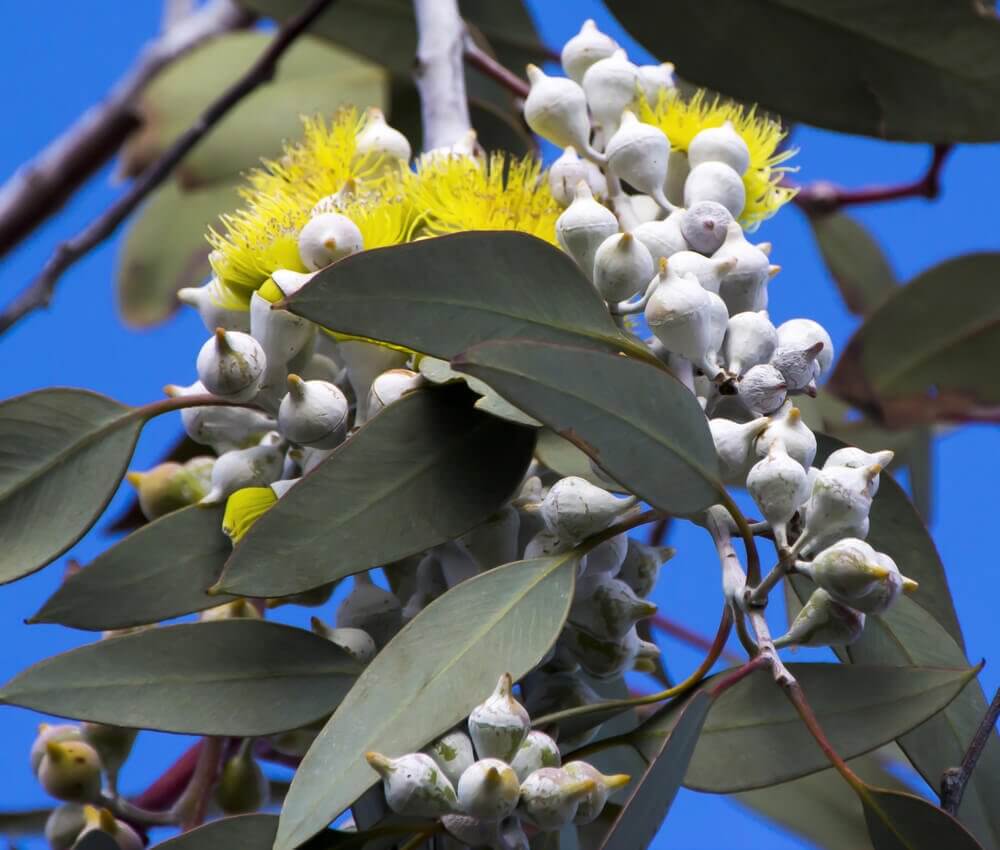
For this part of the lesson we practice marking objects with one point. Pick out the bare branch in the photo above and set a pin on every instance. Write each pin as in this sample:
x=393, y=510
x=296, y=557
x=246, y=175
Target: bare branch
x=483, y=62
x=39, y=293
x=955, y=779
x=439, y=72
x=40, y=188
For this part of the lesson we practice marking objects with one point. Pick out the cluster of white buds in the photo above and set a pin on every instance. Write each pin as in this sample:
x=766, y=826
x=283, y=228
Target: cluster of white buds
x=483, y=784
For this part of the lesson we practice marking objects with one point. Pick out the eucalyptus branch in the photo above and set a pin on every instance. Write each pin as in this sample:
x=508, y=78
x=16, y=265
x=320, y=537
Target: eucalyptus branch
x=486, y=64
x=793, y=690
x=189, y=810
x=439, y=73
x=164, y=792
x=682, y=633
x=955, y=779
x=40, y=187
x=39, y=292
x=136, y=815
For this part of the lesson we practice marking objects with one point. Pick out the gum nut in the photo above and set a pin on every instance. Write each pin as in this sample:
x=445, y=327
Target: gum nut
x=165, y=488
x=254, y=467
x=584, y=49
x=595, y=179
x=778, y=485
x=734, y=445
x=744, y=285
x=242, y=787
x=574, y=508
x=593, y=803
x=762, y=389
x=550, y=797
x=823, y=621
x=607, y=608
x=414, y=785
x=287, y=282
x=313, y=413
x=238, y=609
x=70, y=771
x=64, y=825
x=611, y=85
x=855, y=457
x=355, y=642
x=583, y=226
x=473, y=832
x=704, y=226
x=365, y=361
x=556, y=109
x=787, y=426
x=281, y=335
x=641, y=566
x=380, y=144
x=803, y=333
x=644, y=208
x=489, y=789
x=499, y=725
x=639, y=154
x=750, y=341
x=546, y=543
x=677, y=173
x=656, y=79
x=679, y=315
x=838, y=506
x=715, y=181
x=708, y=271
x=623, y=267
x=113, y=743
x=564, y=174
x=602, y=658
x=101, y=820
x=372, y=609
x=222, y=428
x=797, y=365
x=390, y=387
x=720, y=144
x=326, y=238
x=606, y=558
x=208, y=300
x=453, y=753
x=537, y=750
x=231, y=364
x=663, y=239
x=48, y=733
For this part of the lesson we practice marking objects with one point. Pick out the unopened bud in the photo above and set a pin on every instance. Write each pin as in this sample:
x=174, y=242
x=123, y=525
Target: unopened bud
x=823, y=621
x=592, y=804
x=489, y=788
x=454, y=754
x=70, y=771
x=242, y=787
x=550, y=797
x=499, y=725
x=414, y=785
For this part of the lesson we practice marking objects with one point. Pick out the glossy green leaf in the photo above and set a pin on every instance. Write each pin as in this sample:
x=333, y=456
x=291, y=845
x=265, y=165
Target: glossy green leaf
x=313, y=77
x=425, y=470
x=868, y=68
x=165, y=249
x=929, y=353
x=643, y=813
x=899, y=821
x=161, y=571
x=855, y=260
x=441, y=296
x=58, y=447
x=636, y=421
x=753, y=736
x=229, y=677
x=441, y=665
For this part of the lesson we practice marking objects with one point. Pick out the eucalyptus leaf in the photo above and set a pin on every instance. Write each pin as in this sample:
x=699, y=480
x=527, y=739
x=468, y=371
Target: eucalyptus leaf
x=425, y=470
x=928, y=353
x=231, y=677
x=647, y=806
x=443, y=295
x=900, y=821
x=753, y=736
x=855, y=260
x=868, y=68
x=63, y=453
x=635, y=421
x=161, y=571
x=442, y=664
x=562, y=457
x=256, y=832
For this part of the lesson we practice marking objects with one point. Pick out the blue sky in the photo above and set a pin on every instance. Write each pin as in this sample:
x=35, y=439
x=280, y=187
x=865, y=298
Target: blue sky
x=62, y=60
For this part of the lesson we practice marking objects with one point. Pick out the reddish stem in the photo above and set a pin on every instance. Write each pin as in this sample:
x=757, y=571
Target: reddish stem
x=756, y=663
x=163, y=793
x=797, y=697
x=483, y=62
x=266, y=752
x=658, y=533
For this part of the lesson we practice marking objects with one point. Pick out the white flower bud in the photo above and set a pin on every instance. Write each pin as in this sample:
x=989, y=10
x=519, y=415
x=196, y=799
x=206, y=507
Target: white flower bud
x=231, y=365
x=64, y=825
x=583, y=226
x=606, y=558
x=720, y=144
x=708, y=270
x=750, y=341
x=704, y=226
x=611, y=85
x=592, y=804
x=453, y=753
x=537, y=750
x=639, y=154
x=313, y=413
x=778, y=485
x=326, y=238
x=499, y=725
x=257, y=466
x=734, y=444
x=49, y=733
x=414, y=785
x=564, y=174
x=390, y=387
x=800, y=334
x=379, y=145
x=663, y=238
x=677, y=174
x=355, y=642
x=715, y=181
x=101, y=820
x=365, y=361
x=70, y=770
x=574, y=508
x=475, y=832
x=641, y=566
x=787, y=426
x=556, y=109
x=238, y=609
x=456, y=564
x=207, y=300
x=799, y=366
x=550, y=797
x=489, y=789
x=545, y=543
x=623, y=267
x=605, y=659
x=584, y=49
x=283, y=336
x=762, y=389
x=838, y=506
x=823, y=621
x=854, y=574
x=372, y=609
x=744, y=287
x=855, y=457
x=606, y=607
x=656, y=79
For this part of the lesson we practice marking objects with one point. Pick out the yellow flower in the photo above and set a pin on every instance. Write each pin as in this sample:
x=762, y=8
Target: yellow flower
x=457, y=193
x=244, y=508
x=682, y=120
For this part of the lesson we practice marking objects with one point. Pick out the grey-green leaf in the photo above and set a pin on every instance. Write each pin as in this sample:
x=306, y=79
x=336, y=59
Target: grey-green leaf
x=647, y=806
x=441, y=296
x=254, y=832
x=58, y=447
x=636, y=421
x=425, y=470
x=430, y=676
x=562, y=457
x=96, y=840
x=230, y=677
x=855, y=260
x=753, y=736
x=162, y=570
x=868, y=68
x=900, y=821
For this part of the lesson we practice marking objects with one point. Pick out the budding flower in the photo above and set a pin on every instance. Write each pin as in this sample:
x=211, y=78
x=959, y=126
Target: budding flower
x=372, y=609
x=720, y=144
x=663, y=239
x=838, y=506
x=856, y=575
x=238, y=609
x=101, y=820
x=355, y=642
x=606, y=558
x=390, y=387
x=254, y=467
x=744, y=287
x=326, y=238
x=223, y=428
x=489, y=788
x=47, y=733
x=568, y=170
x=607, y=608
x=856, y=458
x=715, y=181
x=242, y=786
x=499, y=725
x=231, y=365
x=70, y=770
x=708, y=270
x=556, y=109
x=537, y=750
x=705, y=225
x=414, y=785
x=208, y=300
x=779, y=485
x=762, y=388
x=800, y=334
x=605, y=659
x=656, y=79
x=584, y=49
x=623, y=267
x=113, y=745
x=313, y=413
x=170, y=486
x=453, y=753
x=750, y=341
x=574, y=509
x=583, y=226
x=787, y=427
x=611, y=85
x=550, y=797
x=639, y=154
x=592, y=804
x=64, y=825
x=379, y=145
x=734, y=445
x=641, y=566
x=797, y=365
x=823, y=621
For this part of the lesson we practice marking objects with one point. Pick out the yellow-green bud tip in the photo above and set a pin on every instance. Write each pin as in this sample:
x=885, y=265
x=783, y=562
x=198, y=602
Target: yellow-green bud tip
x=617, y=780
x=909, y=585
x=379, y=762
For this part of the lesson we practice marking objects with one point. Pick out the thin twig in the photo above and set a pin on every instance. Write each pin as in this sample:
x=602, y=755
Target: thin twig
x=191, y=806
x=683, y=633
x=823, y=197
x=797, y=697
x=40, y=187
x=439, y=72
x=483, y=62
x=955, y=779
x=165, y=791
x=39, y=293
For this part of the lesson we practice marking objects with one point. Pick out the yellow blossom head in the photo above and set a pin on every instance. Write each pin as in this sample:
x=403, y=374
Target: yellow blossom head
x=682, y=120
x=244, y=508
